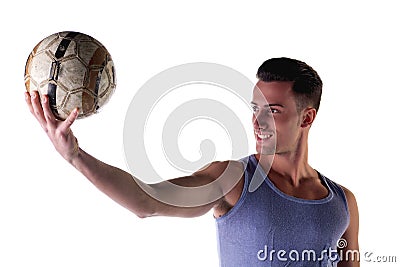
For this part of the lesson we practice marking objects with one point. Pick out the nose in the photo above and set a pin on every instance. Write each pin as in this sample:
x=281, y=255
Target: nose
x=262, y=120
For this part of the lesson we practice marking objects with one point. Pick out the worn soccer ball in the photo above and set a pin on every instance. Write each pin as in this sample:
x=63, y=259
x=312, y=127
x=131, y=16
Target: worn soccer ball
x=74, y=70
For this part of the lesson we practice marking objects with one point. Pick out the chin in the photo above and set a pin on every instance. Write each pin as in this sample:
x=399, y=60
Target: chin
x=266, y=150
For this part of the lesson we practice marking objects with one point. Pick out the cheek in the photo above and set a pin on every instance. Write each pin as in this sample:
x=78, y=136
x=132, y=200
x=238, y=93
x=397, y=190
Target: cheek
x=286, y=126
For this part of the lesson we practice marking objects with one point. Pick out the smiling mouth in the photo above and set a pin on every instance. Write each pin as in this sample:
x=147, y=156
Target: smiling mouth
x=263, y=136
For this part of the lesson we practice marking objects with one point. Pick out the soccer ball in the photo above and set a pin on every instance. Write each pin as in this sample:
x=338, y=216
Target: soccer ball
x=74, y=70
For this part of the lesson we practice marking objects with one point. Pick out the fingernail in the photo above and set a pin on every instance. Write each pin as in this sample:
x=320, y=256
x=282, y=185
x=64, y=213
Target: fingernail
x=44, y=100
x=33, y=95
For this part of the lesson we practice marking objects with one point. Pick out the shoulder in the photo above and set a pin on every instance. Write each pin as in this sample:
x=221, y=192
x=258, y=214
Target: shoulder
x=340, y=189
x=348, y=193
x=226, y=175
x=345, y=193
x=351, y=203
x=351, y=199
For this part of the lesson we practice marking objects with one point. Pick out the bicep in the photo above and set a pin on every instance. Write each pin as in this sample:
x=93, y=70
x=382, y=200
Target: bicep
x=188, y=196
x=196, y=194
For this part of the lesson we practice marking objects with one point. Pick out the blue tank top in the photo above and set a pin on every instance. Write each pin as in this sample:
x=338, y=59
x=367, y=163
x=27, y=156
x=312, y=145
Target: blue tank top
x=267, y=227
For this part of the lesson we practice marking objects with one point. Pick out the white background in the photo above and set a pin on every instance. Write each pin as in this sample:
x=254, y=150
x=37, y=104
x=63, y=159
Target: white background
x=52, y=216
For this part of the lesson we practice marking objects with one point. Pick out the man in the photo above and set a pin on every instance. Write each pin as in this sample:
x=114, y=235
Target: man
x=294, y=217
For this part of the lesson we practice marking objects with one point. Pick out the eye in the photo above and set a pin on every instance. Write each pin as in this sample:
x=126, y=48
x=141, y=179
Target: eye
x=274, y=110
x=255, y=108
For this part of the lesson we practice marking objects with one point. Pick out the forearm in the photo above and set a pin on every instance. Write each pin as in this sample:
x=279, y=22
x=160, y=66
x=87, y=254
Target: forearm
x=119, y=185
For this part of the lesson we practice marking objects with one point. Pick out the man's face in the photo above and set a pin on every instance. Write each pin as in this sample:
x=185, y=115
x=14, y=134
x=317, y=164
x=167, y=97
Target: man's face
x=274, y=105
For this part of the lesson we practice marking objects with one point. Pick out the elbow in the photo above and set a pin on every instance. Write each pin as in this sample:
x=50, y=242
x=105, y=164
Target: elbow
x=144, y=213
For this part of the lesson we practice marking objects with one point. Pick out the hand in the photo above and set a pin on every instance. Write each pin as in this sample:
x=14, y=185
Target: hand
x=58, y=131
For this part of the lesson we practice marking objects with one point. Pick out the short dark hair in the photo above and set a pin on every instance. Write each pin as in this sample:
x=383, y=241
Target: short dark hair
x=307, y=85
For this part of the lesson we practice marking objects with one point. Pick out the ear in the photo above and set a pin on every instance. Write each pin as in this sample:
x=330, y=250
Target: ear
x=309, y=115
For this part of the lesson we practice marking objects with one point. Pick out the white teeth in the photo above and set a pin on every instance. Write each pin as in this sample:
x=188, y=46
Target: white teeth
x=264, y=136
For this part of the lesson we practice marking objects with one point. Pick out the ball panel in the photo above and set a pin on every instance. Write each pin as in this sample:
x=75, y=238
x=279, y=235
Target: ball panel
x=79, y=70
x=106, y=97
x=88, y=102
x=107, y=82
x=107, y=89
x=42, y=46
x=96, y=65
x=61, y=95
x=82, y=98
x=40, y=67
x=62, y=50
x=72, y=101
x=91, y=53
x=27, y=76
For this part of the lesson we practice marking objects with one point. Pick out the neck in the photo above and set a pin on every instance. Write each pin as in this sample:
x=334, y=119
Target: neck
x=292, y=165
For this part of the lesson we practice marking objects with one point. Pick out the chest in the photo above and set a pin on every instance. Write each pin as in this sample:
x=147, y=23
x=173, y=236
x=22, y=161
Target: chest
x=311, y=189
x=284, y=224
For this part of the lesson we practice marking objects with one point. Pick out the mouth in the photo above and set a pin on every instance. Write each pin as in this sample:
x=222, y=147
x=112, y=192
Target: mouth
x=263, y=136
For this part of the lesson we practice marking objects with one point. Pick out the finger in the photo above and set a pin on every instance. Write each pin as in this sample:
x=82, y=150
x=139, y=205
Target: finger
x=69, y=120
x=48, y=114
x=28, y=101
x=37, y=108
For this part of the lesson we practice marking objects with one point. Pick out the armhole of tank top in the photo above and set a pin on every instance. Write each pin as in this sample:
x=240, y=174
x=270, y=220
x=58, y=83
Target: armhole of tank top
x=337, y=188
x=346, y=203
x=243, y=194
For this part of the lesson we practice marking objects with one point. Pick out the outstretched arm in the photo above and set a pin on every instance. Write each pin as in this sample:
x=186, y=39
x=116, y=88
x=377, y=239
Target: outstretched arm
x=125, y=189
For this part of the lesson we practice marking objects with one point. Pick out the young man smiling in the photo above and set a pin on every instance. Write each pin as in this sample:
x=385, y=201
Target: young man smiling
x=294, y=208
